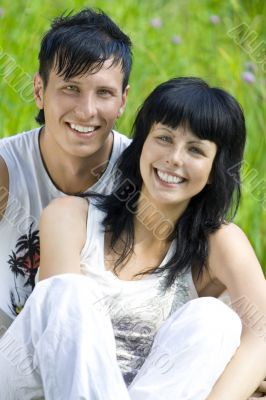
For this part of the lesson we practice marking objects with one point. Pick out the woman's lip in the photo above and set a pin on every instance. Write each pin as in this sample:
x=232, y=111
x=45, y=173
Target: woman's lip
x=166, y=184
x=170, y=173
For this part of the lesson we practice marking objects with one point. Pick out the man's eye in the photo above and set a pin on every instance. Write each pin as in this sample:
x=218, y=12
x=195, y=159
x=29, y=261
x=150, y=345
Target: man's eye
x=72, y=88
x=104, y=92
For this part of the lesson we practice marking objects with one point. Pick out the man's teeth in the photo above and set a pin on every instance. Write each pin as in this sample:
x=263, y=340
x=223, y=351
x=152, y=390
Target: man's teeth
x=169, y=178
x=82, y=129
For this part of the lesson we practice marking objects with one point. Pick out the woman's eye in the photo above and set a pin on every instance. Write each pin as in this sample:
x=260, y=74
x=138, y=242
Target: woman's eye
x=196, y=150
x=166, y=139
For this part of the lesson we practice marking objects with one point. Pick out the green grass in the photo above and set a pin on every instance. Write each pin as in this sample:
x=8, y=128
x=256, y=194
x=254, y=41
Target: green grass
x=206, y=50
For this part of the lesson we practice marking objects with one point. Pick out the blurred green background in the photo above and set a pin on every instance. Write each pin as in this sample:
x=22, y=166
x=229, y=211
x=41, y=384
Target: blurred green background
x=223, y=42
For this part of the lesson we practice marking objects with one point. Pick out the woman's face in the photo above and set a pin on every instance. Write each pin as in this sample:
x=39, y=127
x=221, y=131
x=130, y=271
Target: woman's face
x=175, y=165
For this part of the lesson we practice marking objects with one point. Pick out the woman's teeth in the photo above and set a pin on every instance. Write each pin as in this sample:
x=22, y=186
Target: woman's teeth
x=169, y=178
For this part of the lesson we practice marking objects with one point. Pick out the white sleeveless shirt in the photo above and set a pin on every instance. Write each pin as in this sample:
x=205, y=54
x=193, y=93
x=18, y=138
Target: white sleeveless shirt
x=30, y=190
x=137, y=308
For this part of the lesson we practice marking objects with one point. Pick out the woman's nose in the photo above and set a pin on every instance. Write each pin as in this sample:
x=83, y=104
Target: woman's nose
x=175, y=157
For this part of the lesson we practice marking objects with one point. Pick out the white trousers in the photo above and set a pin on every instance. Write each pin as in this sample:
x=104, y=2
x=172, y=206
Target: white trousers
x=62, y=347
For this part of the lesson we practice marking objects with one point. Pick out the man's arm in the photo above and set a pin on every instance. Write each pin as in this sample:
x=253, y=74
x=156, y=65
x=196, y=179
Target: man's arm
x=4, y=187
x=5, y=320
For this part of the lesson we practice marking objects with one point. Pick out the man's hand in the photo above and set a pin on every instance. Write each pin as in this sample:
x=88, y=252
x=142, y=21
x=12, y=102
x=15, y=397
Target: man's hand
x=261, y=392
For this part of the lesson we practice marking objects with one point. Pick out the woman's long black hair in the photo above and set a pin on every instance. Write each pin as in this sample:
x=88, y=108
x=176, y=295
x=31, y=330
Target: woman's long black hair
x=211, y=114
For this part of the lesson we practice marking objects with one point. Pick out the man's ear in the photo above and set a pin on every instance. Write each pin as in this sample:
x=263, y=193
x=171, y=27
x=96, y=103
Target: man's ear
x=124, y=101
x=38, y=90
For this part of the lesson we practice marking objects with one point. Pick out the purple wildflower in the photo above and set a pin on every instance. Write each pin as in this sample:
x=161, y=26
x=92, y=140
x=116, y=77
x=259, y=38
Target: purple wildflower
x=215, y=19
x=248, y=77
x=176, y=39
x=156, y=23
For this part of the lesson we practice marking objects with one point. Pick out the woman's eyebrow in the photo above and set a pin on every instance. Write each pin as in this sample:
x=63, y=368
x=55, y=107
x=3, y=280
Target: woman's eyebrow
x=165, y=128
x=199, y=141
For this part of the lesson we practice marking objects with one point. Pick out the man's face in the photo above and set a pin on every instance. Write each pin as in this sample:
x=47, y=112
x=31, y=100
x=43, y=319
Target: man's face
x=81, y=112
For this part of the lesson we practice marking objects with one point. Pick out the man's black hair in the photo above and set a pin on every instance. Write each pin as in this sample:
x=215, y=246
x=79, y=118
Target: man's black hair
x=81, y=43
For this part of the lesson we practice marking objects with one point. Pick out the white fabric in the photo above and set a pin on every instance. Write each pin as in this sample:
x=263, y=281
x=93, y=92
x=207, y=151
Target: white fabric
x=137, y=308
x=62, y=347
x=31, y=189
x=5, y=322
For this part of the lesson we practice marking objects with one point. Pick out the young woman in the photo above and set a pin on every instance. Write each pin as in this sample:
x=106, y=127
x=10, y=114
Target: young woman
x=129, y=324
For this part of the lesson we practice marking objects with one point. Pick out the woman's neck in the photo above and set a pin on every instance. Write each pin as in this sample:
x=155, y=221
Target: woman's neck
x=155, y=220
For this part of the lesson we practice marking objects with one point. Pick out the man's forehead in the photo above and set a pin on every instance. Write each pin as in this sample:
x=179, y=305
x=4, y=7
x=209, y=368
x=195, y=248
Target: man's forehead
x=103, y=70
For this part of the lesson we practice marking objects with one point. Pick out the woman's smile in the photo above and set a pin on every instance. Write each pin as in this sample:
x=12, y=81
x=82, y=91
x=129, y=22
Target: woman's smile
x=175, y=164
x=169, y=178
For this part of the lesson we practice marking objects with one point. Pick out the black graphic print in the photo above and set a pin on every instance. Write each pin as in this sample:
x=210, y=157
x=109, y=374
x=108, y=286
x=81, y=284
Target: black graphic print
x=24, y=262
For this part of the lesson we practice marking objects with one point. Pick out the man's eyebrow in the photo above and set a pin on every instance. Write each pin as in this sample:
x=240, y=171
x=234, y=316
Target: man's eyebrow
x=69, y=80
x=109, y=87
x=101, y=86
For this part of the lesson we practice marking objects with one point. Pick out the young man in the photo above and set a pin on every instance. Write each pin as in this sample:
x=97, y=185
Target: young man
x=81, y=89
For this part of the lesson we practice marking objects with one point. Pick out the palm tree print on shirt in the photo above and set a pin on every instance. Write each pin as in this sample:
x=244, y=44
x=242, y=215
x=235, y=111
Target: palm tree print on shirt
x=24, y=263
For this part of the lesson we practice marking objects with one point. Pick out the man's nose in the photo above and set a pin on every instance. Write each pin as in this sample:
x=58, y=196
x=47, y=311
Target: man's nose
x=86, y=108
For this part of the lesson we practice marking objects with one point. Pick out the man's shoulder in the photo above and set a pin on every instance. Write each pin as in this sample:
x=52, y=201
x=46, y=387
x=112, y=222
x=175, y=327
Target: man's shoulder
x=121, y=142
x=121, y=139
x=18, y=138
x=14, y=151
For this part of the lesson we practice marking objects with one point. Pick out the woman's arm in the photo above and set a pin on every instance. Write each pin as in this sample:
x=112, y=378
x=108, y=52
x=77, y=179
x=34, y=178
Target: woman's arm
x=62, y=236
x=232, y=261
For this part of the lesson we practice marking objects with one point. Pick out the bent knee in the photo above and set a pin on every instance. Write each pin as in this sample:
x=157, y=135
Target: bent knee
x=76, y=288
x=221, y=316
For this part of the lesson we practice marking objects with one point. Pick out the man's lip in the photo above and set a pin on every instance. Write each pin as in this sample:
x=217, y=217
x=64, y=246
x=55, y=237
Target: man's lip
x=84, y=126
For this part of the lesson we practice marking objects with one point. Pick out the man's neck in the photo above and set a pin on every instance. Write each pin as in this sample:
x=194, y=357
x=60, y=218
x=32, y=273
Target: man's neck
x=71, y=174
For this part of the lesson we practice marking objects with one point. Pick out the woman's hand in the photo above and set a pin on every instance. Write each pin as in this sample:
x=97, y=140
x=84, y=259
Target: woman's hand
x=261, y=392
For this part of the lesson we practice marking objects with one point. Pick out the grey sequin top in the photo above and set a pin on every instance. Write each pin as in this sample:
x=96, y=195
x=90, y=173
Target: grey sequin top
x=137, y=308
